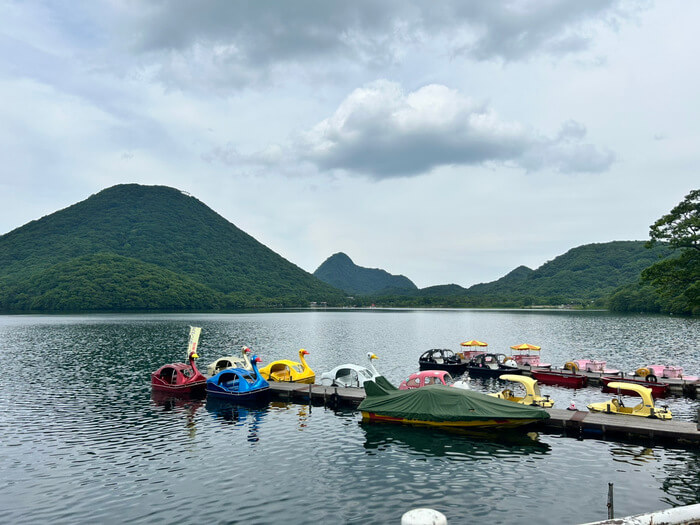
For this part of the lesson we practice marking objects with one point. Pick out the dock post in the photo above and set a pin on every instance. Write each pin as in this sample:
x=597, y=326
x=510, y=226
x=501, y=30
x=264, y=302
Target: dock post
x=611, y=508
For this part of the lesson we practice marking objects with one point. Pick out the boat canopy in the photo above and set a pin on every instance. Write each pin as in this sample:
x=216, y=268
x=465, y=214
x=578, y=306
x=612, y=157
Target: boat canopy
x=441, y=403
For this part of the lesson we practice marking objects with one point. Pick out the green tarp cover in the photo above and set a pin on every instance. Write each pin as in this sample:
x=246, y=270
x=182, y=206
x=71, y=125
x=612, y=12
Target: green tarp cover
x=443, y=403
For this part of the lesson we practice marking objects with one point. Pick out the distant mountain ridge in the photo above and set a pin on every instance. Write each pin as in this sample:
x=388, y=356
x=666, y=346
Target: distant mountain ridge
x=339, y=271
x=586, y=273
x=145, y=247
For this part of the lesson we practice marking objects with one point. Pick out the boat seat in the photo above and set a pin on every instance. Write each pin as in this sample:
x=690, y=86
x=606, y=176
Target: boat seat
x=439, y=360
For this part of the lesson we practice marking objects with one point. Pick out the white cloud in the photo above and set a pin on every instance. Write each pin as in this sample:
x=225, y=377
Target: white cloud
x=382, y=132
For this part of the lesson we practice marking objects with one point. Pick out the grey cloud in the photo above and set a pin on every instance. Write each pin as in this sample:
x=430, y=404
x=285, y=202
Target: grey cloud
x=239, y=43
x=381, y=132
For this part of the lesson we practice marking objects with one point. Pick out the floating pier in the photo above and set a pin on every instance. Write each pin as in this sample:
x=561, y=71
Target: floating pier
x=676, y=387
x=574, y=422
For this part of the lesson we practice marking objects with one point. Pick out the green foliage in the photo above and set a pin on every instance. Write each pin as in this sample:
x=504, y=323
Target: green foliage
x=583, y=274
x=673, y=284
x=158, y=227
x=681, y=226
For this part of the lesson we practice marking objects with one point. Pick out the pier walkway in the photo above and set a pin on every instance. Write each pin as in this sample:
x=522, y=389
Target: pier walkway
x=576, y=422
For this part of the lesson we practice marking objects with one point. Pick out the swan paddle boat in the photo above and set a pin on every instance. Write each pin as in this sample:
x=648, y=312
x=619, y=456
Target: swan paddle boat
x=238, y=383
x=425, y=378
x=350, y=375
x=290, y=371
x=181, y=378
x=231, y=362
x=532, y=396
x=442, y=359
x=437, y=405
x=644, y=409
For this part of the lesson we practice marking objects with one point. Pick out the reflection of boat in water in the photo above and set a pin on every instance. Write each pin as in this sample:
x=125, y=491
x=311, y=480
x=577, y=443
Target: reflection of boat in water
x=437, y=405
x=169, y=400
x=239, y=413
x=455, y=442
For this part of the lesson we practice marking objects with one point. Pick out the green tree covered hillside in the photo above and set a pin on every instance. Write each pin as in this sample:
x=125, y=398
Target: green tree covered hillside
x=146, y=230
x=339, y=271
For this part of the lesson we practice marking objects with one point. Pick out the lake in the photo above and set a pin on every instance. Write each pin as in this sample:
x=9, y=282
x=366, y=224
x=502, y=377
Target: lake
x=82, y=439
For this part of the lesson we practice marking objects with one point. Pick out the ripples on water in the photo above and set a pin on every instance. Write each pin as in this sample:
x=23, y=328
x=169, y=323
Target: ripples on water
x=83, y=439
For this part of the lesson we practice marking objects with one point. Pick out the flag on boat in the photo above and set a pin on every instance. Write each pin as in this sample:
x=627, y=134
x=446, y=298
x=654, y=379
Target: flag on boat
x=194, y=341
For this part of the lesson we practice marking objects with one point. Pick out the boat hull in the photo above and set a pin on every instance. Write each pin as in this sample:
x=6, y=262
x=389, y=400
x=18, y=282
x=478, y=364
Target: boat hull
x=476, y=423
x=566, y=379
x=657, y=389
x=196, y=387
x=220, y=393
x=454, y=369
x=491, y=372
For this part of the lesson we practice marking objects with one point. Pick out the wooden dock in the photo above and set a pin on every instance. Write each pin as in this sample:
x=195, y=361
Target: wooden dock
x=676, y=387
x=578, y=423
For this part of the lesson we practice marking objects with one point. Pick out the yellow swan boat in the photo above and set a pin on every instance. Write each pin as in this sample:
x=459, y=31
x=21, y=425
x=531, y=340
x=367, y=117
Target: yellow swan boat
x=290, y=371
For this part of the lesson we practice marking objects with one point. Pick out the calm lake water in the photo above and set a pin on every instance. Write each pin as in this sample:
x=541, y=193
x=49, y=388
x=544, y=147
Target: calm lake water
x=83, y=441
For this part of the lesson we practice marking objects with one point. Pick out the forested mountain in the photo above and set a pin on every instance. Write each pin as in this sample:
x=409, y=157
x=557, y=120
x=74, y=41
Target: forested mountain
x=587, y=272
x=339, y=271
x=583, y=275
x=153, y=247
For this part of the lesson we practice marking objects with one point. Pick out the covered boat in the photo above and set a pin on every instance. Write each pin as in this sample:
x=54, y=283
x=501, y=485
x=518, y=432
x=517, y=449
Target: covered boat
x=238, y=383
x=181, y=378
x=438, y=405
x=442, y=359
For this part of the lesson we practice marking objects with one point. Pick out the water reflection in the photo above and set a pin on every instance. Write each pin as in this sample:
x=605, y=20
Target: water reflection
x=240, y=413
x=683, y=479
x=189, y=404
x=303, y=411
x=466, y=444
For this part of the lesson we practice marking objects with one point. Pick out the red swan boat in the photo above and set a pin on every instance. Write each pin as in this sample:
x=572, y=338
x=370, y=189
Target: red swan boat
x=181, y=378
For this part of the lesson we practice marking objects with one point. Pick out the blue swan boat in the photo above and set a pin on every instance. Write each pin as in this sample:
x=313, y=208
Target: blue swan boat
x=238, y=383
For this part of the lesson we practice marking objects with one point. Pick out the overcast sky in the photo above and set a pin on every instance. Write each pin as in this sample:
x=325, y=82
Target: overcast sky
x=446, y=141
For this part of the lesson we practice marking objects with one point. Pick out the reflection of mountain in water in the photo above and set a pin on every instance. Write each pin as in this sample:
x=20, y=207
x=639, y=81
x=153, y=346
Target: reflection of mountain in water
x=442, y=442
